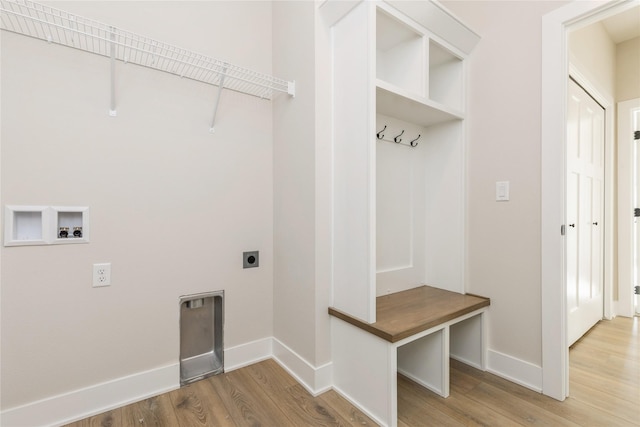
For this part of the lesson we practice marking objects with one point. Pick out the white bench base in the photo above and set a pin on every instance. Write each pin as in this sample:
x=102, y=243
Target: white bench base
x=365, y=366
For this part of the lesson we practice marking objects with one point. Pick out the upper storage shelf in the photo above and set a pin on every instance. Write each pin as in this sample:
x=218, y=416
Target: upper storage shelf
x=418, y=78
x=395, y=102
x=399, y=54
x=57, y=26
x=445, y=76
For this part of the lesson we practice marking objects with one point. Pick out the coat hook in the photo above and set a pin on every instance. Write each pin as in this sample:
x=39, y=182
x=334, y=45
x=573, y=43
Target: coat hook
x=414, y=143
x=379, y=135
x=397, y=139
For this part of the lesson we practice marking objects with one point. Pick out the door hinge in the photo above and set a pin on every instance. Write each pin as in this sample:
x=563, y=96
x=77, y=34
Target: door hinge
x=636, y=212
x=636, y=135
x=637, y=290
x=562, y=230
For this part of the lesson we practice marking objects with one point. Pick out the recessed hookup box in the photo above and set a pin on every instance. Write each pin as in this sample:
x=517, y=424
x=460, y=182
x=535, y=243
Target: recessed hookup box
x=201, y=336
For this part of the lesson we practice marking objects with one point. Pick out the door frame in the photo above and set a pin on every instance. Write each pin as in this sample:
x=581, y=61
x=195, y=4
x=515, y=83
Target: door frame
x=555, y=71
x=625, y=305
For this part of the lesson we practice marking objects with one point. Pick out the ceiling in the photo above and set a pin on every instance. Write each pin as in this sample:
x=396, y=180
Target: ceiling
x=623, y=26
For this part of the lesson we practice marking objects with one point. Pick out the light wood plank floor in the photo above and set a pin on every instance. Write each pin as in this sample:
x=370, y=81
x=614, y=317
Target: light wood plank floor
x=604, y=389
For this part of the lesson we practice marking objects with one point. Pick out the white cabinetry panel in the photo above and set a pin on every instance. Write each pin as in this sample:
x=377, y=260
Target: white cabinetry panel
x=353, y=165
x=398, y=211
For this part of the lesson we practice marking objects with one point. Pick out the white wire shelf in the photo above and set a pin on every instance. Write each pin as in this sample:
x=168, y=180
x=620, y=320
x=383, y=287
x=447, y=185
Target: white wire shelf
x=60, y=27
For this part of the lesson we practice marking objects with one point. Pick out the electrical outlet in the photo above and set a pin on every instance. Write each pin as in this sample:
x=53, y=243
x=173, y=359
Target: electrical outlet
x=101, y=275
x=250, y=259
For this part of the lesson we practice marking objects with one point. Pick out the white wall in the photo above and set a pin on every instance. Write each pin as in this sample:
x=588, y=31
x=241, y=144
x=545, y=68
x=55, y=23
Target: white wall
x=401, y=190
x=260, y=182
x=628, y=70
x=302, y=209
x=172, y=206
x=503, y=134
x=593, y=52
x=294, y=179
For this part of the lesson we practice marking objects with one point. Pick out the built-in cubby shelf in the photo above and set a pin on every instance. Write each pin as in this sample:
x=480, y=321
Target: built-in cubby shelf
x=394, y=102
x=399, y=54
x=445, y=76
x=45, y=225
x=411, y=64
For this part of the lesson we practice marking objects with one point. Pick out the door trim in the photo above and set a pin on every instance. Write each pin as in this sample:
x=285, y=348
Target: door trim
x=555, y=64
x=625, y=305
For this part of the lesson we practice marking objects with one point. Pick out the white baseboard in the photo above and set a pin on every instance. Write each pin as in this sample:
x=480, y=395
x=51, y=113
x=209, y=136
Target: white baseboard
x=86, y=402
x=247, y=354
x=466, y=361
x=78, y=404
x=315, y=380
x=515, y=370
x=420, y=381
x=360, y=407
x=89, y=401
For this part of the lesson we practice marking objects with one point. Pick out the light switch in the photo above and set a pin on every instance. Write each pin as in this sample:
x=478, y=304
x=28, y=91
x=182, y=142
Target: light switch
x=502, y=191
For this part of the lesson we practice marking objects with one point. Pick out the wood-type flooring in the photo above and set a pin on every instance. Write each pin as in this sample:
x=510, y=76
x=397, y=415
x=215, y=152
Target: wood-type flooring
x=604, y=391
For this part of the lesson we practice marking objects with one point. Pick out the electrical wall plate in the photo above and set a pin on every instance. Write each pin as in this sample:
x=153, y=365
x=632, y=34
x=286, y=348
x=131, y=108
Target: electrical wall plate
x=101, y=275
x=502, y=191
x=251, y=259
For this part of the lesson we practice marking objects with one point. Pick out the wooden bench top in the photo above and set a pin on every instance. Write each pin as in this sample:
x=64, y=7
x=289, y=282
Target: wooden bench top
x=403, y=314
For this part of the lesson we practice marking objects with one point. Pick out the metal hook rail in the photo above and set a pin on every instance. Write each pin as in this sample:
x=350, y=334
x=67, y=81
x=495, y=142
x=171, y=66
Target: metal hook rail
x=397, y=139
x=60, y=27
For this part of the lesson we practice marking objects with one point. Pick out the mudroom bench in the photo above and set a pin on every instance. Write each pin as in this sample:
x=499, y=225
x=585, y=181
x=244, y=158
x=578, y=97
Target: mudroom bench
x=415, y=333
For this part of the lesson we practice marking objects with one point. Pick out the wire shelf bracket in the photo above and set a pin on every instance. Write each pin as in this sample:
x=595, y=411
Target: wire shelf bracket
x=112, y=55
x=212, y=129
x=57, y=26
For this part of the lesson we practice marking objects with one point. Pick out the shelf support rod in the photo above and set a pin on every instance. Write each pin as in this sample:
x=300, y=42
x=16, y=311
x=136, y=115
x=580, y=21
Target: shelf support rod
x=215, y=108
x=112, y=107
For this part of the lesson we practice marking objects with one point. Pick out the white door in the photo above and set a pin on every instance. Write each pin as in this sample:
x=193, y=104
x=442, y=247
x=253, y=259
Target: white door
x=636, y=205
x=628, y=200
x=584, y=227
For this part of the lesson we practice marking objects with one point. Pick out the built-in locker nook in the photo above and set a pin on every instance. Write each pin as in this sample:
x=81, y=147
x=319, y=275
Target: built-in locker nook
x=201, y=336
x=399, y=185
x=419, y=192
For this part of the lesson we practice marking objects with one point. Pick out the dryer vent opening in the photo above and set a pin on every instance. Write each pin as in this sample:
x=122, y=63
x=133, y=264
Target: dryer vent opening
x=201, y=336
